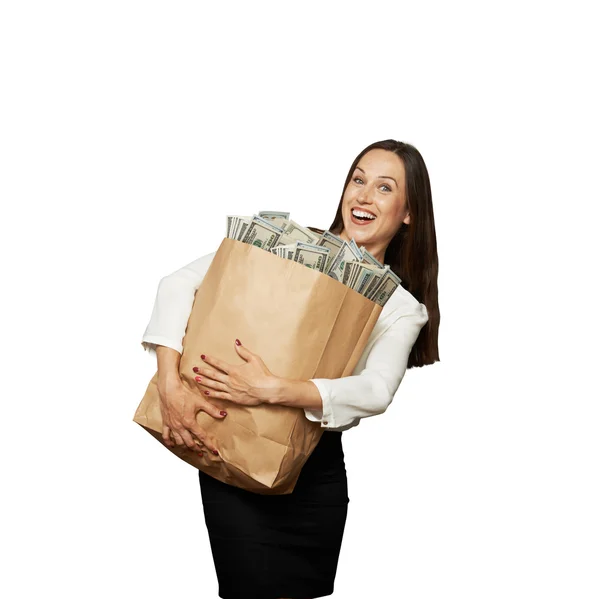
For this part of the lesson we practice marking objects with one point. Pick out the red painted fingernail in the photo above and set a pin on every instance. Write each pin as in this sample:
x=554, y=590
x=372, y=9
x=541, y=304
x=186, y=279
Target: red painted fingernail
x=238, y=342
x=200, y=454
x=223, y=413
x=195, y=369
x=198, y=379
x=216, y=452
x=207, y=393
x=203, y=356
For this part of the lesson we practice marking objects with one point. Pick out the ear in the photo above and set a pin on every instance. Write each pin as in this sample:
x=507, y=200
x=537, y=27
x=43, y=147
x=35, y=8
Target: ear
x=406, y=220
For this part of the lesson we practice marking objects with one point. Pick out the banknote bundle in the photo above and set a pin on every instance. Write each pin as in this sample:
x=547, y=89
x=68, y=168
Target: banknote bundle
x=341, y=260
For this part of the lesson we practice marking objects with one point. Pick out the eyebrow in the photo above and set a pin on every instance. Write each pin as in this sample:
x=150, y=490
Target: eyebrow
x=380, y=176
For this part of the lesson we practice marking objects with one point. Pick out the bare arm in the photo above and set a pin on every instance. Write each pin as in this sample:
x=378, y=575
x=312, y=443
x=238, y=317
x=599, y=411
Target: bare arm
x=296, y=393
x=167, y=360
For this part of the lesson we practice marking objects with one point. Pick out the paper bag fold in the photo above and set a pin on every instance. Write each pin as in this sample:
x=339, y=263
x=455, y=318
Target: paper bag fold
x=301, y=322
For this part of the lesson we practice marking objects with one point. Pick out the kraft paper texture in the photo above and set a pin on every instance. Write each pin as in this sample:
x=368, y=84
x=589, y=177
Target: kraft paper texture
x=301, y=322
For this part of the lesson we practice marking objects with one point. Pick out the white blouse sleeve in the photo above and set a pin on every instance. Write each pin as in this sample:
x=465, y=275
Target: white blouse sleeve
x=173, y=305
x=371, y=391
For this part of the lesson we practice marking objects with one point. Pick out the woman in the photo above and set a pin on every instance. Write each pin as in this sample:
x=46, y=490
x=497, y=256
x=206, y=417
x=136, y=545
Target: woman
x=287, y=546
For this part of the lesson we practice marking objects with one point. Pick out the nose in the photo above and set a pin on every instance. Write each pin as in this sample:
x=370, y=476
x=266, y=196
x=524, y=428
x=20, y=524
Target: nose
x=363, y=196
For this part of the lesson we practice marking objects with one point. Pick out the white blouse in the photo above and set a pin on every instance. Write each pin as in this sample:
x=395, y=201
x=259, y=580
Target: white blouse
x=367, y=392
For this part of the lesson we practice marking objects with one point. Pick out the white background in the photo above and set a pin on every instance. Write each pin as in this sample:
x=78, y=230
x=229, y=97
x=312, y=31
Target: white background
x=129, y=130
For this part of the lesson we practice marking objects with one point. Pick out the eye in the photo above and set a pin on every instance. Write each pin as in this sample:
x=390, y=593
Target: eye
x=388, y=188
x=357, y=178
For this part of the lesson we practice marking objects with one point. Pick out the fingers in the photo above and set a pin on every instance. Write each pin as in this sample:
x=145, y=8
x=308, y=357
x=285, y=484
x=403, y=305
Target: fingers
x=186, y=432
x=202, y=440
x=211, y=409
x=218, y=395
x=217, y=363
x=188, y=440
x=191, y=442
x=190, y=435
x=166, y=436
x=209, y=374
x=179, y=424
x=200, y=448
x=243, y=352
x=177, y=437
x=196, y=440
x=215, y=389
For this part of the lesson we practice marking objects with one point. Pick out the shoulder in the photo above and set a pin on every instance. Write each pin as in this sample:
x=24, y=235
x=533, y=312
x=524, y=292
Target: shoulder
x=402, y=303
x=194, y=270
x=203, y=262
x=207, y=258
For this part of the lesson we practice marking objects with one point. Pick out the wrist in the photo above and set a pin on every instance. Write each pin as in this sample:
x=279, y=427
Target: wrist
x=168, y=381
x=276, y=391
x=295, y=393
x=168, y=368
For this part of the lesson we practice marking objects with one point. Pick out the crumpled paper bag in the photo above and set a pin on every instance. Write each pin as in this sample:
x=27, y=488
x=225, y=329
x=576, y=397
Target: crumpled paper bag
x=302, y=323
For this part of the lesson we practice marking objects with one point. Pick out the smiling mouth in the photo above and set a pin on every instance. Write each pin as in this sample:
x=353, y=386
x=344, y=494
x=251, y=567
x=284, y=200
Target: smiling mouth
x=361, y=216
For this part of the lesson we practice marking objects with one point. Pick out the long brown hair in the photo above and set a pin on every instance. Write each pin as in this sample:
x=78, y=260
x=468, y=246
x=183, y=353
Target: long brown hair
x=412, y=252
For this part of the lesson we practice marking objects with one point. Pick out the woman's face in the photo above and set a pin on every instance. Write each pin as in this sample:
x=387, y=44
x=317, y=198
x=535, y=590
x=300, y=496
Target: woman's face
x=376, y=186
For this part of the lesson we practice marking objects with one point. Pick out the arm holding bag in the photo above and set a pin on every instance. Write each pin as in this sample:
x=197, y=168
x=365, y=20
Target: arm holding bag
x=302, y=323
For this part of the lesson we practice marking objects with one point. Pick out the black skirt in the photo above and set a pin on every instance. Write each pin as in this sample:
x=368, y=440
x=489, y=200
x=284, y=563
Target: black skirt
x=280, y=546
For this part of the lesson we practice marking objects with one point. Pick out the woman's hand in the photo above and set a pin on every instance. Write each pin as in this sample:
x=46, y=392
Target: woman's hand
x=178, y=407
x=248, y=384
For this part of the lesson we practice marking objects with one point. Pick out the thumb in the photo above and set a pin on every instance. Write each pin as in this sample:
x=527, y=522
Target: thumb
x=242, y=351
x=212, y=410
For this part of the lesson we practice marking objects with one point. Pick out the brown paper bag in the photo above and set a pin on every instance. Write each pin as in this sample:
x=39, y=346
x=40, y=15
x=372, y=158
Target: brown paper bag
x=302, y=323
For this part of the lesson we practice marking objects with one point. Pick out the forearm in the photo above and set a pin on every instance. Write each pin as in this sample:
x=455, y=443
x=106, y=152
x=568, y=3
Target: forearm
x=167, y=360
x=296, y=393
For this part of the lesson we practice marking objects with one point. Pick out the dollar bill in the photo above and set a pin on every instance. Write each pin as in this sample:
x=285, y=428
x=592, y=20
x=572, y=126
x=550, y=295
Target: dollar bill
x=233, y=222
x=299, y=233
x=373, y=284
x=348, y=269
x=331, y=241
x=328, y=253
x=354, y=274
x=262, y=233
x=384, y=291
x=358, y=275
x=369, y=258
x=280, y=219
x=241, y=226
x=355, y=248
x=363, y=281
x=286, y=251
x=388, y=284
x=286, y=240
x=347, y=253
x=311, y=255
x=366, y=274
x=269, y=214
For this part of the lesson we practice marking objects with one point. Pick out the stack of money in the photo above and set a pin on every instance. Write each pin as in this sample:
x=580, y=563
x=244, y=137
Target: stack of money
x=337, y=258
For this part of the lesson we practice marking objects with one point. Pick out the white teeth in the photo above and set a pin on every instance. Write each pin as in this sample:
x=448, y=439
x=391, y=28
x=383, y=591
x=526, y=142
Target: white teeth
x=361, y=213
